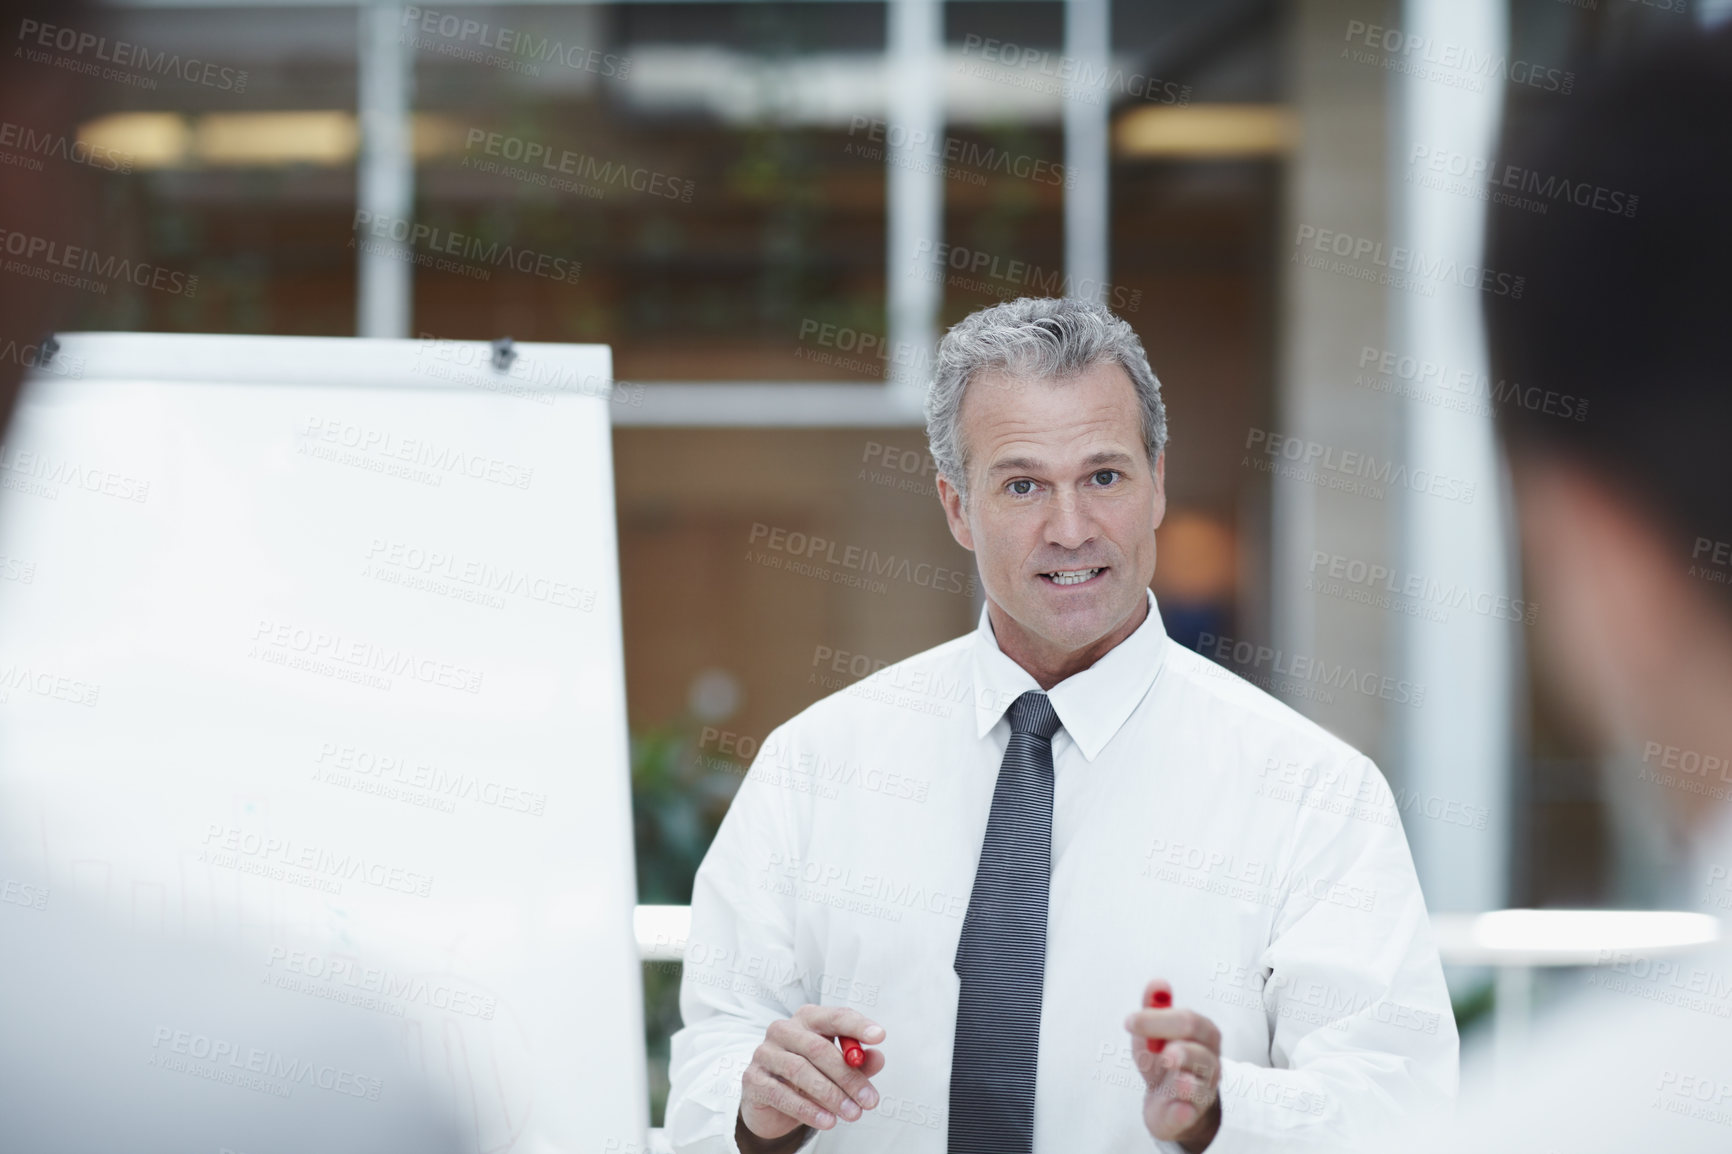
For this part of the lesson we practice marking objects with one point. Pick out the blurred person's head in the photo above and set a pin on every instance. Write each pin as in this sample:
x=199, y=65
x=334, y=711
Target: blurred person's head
x=1048, y=430
x=43, y=101
x=1626, y=504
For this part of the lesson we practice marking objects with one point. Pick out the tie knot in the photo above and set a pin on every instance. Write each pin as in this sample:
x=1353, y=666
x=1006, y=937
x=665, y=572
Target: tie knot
x=1033, y=714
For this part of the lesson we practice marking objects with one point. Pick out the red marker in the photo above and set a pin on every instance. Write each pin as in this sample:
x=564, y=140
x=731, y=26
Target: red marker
x=1159, y=1000
x=852, y=1052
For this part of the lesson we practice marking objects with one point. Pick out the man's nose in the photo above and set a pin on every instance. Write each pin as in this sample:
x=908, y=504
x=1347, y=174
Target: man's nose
x=1070, y=521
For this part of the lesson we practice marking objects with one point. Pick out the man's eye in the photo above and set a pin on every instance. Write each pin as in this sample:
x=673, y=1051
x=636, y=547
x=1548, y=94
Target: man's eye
x=1021, y=492
x=1108, y=473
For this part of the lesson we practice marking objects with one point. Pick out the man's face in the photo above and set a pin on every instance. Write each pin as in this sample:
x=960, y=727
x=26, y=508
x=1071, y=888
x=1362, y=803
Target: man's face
x=1632, y=646
x=1062, y=504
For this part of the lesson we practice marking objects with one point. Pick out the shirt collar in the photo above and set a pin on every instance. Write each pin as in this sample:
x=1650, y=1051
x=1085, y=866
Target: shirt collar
x=1092, y=705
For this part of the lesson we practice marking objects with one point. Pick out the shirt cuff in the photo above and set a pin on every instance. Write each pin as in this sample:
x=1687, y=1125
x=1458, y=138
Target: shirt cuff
x=1266, y=1112
x=701, y=1120
x=707, y=1126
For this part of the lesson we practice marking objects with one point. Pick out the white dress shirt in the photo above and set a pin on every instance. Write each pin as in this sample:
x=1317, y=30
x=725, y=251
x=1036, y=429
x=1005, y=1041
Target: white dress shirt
x=1202, y=832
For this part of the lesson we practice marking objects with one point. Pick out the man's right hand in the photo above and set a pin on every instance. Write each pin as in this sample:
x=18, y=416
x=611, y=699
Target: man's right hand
x=798, y=1078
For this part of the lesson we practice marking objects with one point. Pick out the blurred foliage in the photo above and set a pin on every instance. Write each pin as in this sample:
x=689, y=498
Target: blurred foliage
x=680, y=791
x=1474, y=1005
x=661, y=1019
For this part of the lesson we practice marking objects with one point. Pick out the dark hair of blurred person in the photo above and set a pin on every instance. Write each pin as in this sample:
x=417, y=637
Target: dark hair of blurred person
x=1622, y=514
x=1626, y=513
x=52, y=203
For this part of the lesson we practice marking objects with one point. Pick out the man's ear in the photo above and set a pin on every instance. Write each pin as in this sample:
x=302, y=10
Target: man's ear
x=1160, y=489
x=955, y=514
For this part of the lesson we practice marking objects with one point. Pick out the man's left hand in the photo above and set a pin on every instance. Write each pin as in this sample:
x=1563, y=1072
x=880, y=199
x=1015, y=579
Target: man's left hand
x=1182, y=1103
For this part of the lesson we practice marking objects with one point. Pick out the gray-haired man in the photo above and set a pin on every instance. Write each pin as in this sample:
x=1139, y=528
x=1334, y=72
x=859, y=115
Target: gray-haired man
x=1101, y=819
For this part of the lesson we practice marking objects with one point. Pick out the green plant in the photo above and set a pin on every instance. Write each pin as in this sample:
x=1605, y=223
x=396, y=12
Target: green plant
x=679, y=794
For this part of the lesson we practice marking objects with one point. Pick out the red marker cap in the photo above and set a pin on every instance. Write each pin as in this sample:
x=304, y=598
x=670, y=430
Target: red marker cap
x=1159, y=1000
x=852, y=1053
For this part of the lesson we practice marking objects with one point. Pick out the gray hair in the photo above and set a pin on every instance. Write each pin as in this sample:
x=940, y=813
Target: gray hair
x=1034, y=338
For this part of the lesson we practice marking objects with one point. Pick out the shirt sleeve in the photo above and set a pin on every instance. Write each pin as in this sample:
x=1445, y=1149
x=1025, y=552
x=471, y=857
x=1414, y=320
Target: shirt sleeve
x=740, y=973
x=1362, y=1033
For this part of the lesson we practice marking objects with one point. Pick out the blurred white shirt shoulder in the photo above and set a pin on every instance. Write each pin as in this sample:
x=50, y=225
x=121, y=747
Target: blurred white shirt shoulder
x=1639, y=1060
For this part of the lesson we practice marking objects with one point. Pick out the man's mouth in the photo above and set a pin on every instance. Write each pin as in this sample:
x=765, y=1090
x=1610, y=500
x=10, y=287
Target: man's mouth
x=1072, y=576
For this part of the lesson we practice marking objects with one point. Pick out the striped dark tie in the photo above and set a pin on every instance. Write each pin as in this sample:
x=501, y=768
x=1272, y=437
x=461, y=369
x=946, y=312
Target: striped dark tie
x=1001, y=958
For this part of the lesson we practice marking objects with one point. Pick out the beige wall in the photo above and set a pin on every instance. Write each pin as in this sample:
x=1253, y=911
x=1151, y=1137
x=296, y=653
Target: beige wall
x=695, y=598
